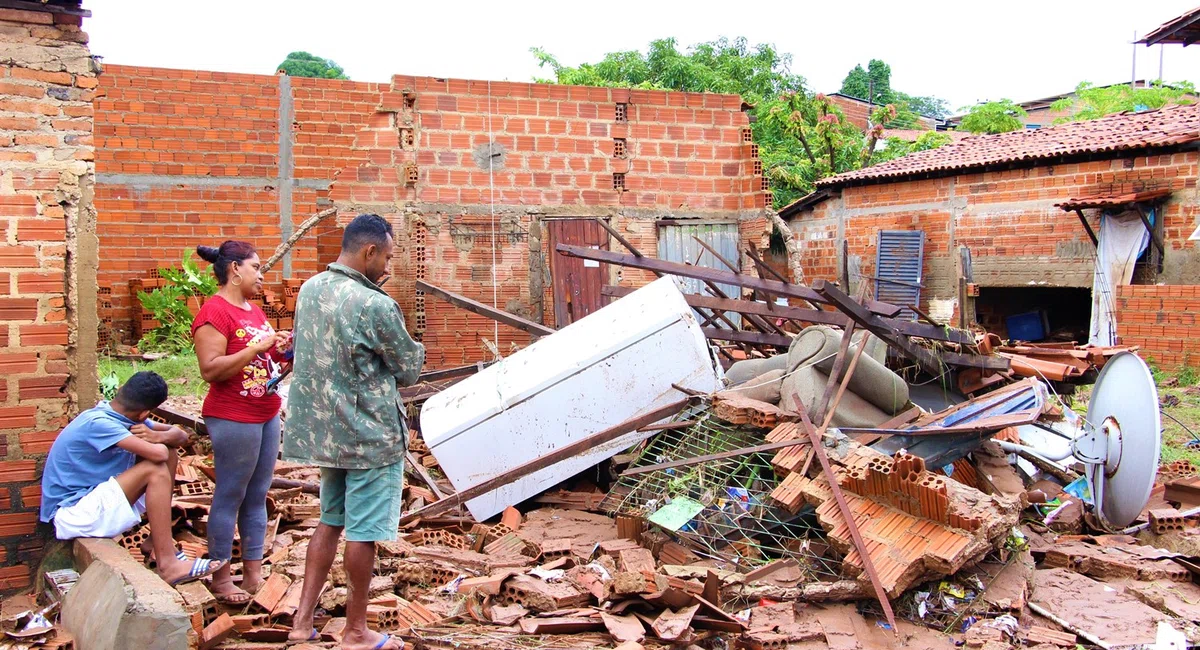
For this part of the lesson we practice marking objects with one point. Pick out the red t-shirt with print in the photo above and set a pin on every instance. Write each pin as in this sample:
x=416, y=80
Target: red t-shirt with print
x=243, y=397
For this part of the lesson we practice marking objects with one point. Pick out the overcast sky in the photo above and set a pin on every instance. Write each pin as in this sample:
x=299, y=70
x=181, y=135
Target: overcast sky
x=963, y=52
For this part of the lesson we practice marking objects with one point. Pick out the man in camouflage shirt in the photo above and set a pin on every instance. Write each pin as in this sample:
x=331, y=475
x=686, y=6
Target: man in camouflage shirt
x=345, y=415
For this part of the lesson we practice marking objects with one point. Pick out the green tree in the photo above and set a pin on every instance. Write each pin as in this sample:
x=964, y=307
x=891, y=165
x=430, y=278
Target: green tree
x=993, y=117
x=303, y=64
x=802, y=137
x=925, y=105
x=721, y=66
x=873, y=84
x=1089, y=101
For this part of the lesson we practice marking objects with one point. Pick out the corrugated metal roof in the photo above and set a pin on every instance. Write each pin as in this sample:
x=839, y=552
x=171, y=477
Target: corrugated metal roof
x=1164, y=127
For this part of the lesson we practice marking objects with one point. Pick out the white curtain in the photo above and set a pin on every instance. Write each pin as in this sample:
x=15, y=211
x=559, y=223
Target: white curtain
x=1123, y=237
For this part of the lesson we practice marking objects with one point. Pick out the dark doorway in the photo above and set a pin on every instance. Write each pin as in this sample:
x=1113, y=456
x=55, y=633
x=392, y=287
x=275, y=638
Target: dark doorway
x=577, y=282
x=1035, y=313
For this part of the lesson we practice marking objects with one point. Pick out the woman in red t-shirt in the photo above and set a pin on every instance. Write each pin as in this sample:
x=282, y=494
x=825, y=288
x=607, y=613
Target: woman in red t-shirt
x=239, y=353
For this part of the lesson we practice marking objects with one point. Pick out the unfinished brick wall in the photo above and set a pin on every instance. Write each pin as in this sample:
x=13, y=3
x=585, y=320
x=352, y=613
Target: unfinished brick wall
x=190, y=157
x=197, y=157
x=1162, y=321
x=1006, y=218
x=47, y=261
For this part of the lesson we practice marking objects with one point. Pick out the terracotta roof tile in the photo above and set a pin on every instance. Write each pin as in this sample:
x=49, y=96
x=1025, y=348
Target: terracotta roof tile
x=1119, y=132
x=1112, y=201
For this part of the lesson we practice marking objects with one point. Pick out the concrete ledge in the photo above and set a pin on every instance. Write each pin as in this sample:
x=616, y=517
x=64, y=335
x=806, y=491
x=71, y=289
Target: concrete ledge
x=118, y=604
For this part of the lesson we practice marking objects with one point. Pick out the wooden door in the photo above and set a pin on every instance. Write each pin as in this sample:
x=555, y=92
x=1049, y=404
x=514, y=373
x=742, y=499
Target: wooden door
x=576, y=282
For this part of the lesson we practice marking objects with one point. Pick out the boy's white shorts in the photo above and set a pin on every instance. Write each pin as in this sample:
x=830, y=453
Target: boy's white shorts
x=103, y=512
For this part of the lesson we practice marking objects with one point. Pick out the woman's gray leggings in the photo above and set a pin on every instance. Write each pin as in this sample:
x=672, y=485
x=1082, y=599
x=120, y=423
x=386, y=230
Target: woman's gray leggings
x=244, y=456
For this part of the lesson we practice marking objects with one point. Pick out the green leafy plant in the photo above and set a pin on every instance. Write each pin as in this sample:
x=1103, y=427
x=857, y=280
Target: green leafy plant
x=169, y=305
x=303, y=64
x=1090, y=101
x=999, y=116
x=109, y=385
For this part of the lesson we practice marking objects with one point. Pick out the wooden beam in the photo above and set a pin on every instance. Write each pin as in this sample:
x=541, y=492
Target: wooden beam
x=759, y=323
x=452, y=373
x=929, y=362
x=713, y=275
x=301, y=230
x=819, y=316
x=835, y=375
x=475, y=307
x=424, y=474
x=733, y=453
x=1150, y=229
x=44, y=6
x=542, y=462
x=624, y=242
x=1088, y=227
x=763, y=266
x=848, y=517
x=181, y=419
x=709, y=318
x=742, y=336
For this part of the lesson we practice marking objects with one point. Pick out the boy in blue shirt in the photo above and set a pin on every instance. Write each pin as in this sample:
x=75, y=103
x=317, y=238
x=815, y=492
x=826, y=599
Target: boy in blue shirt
x=110, y=465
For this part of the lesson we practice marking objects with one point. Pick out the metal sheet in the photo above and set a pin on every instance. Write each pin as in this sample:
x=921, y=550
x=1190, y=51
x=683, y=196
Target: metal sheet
x=898, y=263
x=677, y=243
x=602, y=370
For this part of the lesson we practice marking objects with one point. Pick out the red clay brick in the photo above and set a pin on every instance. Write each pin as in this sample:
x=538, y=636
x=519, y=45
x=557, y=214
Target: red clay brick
x=17, y=417
x=31, y=496
x=32, y=335
x=18, y=309
x=47, y=387
x=18, y=471
x=22, y=16
x=15, y=577
x=37, y=442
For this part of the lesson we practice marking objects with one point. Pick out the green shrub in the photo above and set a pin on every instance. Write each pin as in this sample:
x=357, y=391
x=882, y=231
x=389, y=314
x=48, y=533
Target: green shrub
x=169, y=305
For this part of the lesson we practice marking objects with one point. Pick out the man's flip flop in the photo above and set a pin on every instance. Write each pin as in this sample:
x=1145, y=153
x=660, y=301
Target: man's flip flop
x=200, y=568
x=382, y=642
x=315, y=636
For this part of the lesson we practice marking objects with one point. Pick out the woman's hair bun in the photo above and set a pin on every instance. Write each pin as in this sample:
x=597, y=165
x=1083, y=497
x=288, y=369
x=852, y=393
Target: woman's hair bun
x=209, y=254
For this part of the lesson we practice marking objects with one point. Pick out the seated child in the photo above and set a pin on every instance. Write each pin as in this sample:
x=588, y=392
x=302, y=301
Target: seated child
x=110, y=465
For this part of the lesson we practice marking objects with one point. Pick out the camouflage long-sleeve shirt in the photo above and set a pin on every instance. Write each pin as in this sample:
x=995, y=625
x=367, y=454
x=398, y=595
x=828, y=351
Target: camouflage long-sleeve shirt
x=352, y=356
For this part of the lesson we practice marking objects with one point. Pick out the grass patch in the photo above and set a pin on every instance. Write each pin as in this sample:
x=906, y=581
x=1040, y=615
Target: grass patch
x=181, y=372
x=1175, y=436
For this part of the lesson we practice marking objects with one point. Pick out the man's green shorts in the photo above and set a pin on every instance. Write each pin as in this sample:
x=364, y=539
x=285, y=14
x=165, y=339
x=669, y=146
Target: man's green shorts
x=364, y=501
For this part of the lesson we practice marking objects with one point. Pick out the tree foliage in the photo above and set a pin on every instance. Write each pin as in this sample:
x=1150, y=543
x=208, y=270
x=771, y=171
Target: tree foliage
x=720, y=66
x=993, y=117
x=1089, y=101
x=802, y=136
x=303, y=64
x=875, y=84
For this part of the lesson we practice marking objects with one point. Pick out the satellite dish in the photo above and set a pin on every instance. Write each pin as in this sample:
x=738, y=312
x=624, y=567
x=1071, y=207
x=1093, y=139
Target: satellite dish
x=1120, y=441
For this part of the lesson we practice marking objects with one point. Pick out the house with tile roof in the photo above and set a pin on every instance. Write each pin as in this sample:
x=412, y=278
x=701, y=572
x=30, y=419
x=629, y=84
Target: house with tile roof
x=1012, y=228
